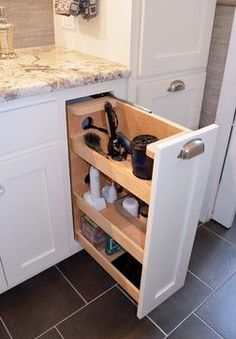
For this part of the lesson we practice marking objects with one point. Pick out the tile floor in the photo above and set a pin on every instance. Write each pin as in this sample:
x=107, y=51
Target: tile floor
x=77, y=299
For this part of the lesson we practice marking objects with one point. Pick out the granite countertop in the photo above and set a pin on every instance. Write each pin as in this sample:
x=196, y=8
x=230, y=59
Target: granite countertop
x=46, y=69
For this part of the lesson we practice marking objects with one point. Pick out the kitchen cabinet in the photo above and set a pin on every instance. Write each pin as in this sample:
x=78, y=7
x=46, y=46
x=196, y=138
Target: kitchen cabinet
x=163, y=246
x=171, y=41
x=163, y=39
x=175, y=35
x=35, y=200
x=32, y=209
x=175, y=98
x=35, y=192
x=33, y=212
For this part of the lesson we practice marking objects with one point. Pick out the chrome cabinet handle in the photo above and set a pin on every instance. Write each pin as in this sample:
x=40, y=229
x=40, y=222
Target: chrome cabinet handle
x=176, y=86
x=2, y=190
x=192, y=149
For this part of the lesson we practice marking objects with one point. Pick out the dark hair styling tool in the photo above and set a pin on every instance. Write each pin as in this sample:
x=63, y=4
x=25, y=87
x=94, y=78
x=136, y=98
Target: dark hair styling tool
x=93, y=141
x=89, y=124
x=112, y=124
x=116, y=140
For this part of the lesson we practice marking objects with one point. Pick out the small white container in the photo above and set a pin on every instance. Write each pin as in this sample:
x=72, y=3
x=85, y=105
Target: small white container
x=109, y=193
x=131, y=205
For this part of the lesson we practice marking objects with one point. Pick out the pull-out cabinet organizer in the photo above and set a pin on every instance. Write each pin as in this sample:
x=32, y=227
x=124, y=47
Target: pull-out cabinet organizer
x=174, y=196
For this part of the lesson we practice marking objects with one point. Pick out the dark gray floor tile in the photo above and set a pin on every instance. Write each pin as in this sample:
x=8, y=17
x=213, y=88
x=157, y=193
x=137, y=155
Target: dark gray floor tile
x=174, y=310
x=89, y=278
x=111, y=316
x=37, y=304
x=52, y=334
x=219, y=311
x=193, y=328
x=3, y=332
x=226, y=233
x=213, y=259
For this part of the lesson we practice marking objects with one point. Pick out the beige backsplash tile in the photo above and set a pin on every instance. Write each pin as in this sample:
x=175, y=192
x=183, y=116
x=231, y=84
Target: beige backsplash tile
x=33, y=21
x=216, y=64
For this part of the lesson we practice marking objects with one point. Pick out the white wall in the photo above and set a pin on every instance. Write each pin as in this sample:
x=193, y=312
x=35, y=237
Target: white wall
x=107, y=36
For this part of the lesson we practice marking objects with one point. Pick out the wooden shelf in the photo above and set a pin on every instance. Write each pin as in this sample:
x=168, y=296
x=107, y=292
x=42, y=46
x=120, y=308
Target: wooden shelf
x=106, y=263
x=120, y=172
x=128, y=235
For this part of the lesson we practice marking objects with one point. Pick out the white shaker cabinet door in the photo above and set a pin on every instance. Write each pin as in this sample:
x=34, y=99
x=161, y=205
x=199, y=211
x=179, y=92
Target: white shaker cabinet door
x=33, y=214
x=178, y=186
x=175, y=35
x=178, y=99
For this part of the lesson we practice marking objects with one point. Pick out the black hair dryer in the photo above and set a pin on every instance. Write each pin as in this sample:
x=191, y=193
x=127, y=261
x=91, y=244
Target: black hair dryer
x=141, y=163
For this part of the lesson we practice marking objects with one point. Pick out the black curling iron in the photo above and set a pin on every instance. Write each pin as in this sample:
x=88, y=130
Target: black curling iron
x=117, y=140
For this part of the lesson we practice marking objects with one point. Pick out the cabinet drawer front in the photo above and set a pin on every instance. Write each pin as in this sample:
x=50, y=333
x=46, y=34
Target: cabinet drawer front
x=175, y=35
x=28, y=126
x=182, y=106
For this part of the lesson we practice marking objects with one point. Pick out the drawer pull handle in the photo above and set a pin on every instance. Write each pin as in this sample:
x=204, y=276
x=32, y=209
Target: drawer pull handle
x=176, y=86
x=192, y=149
x=2, y=190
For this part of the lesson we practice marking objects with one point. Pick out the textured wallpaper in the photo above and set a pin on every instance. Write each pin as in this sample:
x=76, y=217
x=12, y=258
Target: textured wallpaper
x=216, y=64
x=33, y=21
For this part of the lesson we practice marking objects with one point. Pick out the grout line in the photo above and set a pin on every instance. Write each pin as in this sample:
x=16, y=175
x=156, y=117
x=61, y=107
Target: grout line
x=86, y=302
x=219, y=286
x=229, y=242
x=193, y=312
x=100, y=295
x=189, y=315
x=5, y=326
x=216, y=290
x=59, y=332
x=159, y=328
x=45, y=332
x=55, y=325
x=127, y=295
x=212, y=289
x=200, y=225
x=211, y=328
x=203, y=302
x=75, y=312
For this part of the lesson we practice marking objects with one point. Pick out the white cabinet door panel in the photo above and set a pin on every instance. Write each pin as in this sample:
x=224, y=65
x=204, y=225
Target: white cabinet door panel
x=182, y=107
x=175, y=35
x=33, y=213
x=3, y=283
x=28, y=126
x=177, y=193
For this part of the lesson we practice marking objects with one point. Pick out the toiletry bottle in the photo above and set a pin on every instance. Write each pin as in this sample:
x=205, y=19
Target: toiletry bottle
x=6, y=36
x=94, y=183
